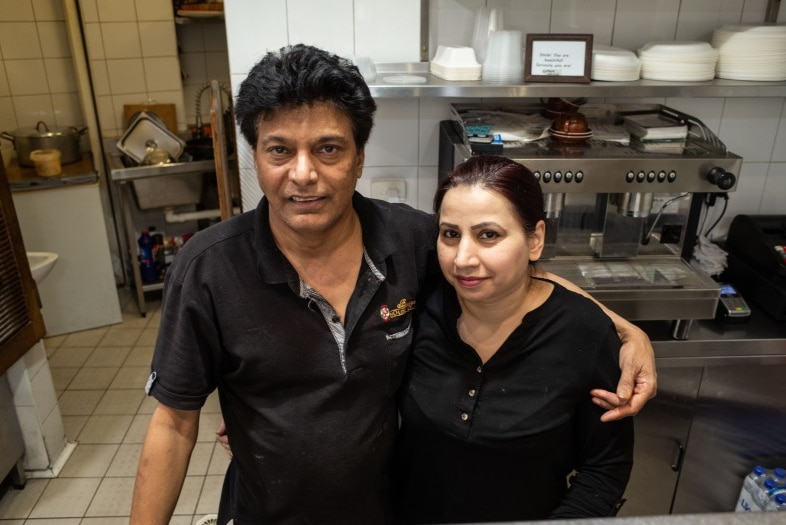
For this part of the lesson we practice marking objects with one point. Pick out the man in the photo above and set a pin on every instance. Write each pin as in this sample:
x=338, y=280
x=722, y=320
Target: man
x=299, y=313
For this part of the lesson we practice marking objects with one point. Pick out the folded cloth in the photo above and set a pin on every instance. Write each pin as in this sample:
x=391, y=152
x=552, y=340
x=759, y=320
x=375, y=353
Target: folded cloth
x=709, y=257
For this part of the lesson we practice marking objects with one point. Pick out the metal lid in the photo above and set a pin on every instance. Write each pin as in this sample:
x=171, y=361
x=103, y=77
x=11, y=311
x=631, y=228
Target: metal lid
x=41, y=129
x=144, y=129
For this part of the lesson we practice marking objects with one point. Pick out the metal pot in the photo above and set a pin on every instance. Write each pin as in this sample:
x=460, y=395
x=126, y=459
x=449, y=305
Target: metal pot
x=63, y=138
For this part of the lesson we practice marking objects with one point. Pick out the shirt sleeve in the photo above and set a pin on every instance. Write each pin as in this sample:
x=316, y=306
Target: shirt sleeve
x=604, y=454
x=185, y=361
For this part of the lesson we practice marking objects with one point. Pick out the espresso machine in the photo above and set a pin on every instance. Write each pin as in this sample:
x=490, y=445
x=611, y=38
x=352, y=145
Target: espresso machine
x=623, y=216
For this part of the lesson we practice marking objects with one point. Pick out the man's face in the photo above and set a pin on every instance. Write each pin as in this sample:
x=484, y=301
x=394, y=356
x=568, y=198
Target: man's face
x=307, y=165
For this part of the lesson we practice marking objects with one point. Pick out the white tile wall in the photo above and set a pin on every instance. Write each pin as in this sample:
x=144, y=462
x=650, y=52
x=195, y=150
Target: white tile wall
x=54, y=40
x=583, y=16
x=157, y=38
x=406, y=133
x=48, y=10
x=395, y=137
x=750, y=125
x=451, y=22
x=121, y=40
x=4, y=89
x=707, y=110
x=256, y=28
x=373, y=39
x=746, y=199
x=529, y=17
x=154, y=10
x=115, y=10
x=779, y=150
x=19, y=40
x=637, y=22
x=60, y=75
x=35, y=402
x=18, y=10
x=774, y=190
x=307, y=21
x=699, y=17
x=26, y=77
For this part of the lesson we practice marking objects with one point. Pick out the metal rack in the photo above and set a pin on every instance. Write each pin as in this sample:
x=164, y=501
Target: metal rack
x=122, y=178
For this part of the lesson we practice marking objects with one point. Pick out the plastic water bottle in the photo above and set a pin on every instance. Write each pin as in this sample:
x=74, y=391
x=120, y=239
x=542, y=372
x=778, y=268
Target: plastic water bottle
x=778, y=503
x=779, y=475
x=762, y=497
x=750, y=486
x=147, y=265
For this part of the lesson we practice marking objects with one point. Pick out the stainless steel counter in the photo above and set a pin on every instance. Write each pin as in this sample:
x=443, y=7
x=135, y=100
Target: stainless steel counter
x=436, y=87
x=761, y=340
x=23, y=178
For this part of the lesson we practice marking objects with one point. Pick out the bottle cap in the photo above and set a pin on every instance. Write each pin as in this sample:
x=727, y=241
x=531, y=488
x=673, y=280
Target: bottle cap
x=780, y=499
x=759, y=470
x=780, y=473
x=770, y=484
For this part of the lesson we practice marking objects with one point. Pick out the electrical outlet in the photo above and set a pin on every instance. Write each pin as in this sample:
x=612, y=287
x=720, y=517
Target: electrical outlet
x=391, y=190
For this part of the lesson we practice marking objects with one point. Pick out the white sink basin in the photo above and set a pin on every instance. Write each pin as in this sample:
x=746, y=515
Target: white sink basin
x=41, y=263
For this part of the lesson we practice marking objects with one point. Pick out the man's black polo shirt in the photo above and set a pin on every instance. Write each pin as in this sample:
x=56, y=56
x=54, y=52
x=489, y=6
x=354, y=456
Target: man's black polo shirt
x=309, y=404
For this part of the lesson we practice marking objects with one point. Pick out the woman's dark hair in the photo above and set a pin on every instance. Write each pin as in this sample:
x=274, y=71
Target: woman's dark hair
x=297, y=75
x=508, y=178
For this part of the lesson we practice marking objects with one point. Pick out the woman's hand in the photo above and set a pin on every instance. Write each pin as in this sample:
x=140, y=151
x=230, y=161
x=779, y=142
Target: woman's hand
x=638, y=380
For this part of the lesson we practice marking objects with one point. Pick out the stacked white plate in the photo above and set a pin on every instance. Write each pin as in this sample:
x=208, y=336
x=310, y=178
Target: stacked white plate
x=614, y=64
x=455, y=63
x=681, y=61
x=751, y=52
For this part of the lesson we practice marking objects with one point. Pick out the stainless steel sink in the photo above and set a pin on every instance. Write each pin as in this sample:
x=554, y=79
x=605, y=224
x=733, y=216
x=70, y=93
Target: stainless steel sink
x=163, y=185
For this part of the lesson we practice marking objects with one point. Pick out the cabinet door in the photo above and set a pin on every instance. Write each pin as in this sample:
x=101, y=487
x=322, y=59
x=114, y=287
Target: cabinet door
x=661, y=430
x=739, y=422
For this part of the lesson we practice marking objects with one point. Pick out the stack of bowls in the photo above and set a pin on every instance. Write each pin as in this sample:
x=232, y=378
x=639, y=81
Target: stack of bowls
x=751, y=52
x=570, y=127
x=503, y=64
x=455, y=63
x=681, y=61
x=614, y=64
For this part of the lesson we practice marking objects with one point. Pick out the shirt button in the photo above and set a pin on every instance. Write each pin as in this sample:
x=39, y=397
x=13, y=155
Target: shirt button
x=479, y=369
x=472, y=392
x=464, y=416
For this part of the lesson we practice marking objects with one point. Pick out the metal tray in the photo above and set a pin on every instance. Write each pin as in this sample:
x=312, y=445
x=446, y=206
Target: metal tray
x=146, y=128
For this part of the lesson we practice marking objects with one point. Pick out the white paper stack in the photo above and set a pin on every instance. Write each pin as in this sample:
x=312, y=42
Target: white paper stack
x=751, y=52
x=455, y=63
x=614, y=64
x=680, y=61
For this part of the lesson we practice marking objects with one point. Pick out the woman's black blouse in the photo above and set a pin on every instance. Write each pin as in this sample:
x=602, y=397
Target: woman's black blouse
x=496, y=442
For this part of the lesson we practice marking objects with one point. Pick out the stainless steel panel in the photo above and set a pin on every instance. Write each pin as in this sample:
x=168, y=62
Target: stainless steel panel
x=437, y=87
x=661, y=435
x=644, y=288
x=740, y=422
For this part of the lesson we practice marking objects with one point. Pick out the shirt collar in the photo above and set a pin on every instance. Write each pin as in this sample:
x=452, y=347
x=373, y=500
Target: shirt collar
x=378, y=242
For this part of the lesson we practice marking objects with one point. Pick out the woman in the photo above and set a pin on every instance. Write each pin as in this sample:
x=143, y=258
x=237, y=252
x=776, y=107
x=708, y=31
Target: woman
x=496, y=411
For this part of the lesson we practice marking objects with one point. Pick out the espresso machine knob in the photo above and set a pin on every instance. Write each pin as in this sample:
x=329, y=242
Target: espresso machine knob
x=721, y=178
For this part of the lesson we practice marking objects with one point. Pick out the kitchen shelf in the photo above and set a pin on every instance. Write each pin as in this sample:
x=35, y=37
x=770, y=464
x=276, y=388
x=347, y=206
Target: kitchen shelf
x=122, y=178
x=435, y=87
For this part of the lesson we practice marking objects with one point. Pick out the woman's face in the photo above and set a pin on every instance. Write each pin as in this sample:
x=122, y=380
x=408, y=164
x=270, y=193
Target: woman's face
x=482, y=248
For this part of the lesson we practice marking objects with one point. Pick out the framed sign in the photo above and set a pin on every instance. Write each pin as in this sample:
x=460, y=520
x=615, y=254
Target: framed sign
x=558, y=58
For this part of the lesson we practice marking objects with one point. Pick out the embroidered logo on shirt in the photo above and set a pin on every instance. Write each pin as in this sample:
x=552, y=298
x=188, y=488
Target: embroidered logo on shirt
x=401, y=308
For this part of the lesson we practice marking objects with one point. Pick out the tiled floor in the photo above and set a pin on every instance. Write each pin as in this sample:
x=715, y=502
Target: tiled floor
x=99, y=377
